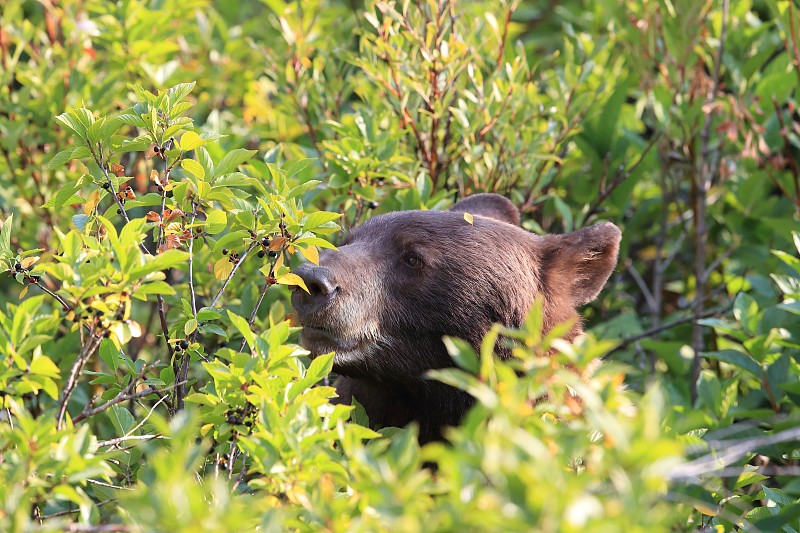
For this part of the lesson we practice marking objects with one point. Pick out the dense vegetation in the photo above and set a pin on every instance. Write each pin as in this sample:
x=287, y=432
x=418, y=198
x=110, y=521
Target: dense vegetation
x=165, y=164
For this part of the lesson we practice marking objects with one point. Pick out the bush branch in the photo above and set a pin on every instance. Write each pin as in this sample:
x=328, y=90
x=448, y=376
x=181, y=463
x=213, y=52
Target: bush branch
x=72, y=381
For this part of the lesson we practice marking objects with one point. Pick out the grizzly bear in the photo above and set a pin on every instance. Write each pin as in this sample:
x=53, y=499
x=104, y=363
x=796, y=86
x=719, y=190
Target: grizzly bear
x=402, y=281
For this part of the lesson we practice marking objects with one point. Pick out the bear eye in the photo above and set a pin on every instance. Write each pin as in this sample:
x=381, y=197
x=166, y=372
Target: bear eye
x=412, y=260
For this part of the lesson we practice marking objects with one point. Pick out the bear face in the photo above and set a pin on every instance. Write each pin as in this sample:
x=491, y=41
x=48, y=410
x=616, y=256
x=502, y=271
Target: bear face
x=400, y=282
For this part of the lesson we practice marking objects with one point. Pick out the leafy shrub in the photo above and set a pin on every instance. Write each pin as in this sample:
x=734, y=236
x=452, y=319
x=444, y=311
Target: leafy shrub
x=180, y=157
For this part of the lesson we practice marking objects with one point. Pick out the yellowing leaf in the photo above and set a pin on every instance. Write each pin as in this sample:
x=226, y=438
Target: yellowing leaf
x=28, y=262
x=91, y=202
x=706, y=509
x=194, y=167
x=468, y=218
x=222, y=268
x=23, y=292
x=190, y=140
x=292, y=279
x=277, y=243
x=216, y=221
x=310, y=253
x=190, y=326
x=135, y=329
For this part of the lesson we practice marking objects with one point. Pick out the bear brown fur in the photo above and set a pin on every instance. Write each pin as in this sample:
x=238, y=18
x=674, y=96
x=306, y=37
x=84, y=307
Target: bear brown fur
x=400, y=282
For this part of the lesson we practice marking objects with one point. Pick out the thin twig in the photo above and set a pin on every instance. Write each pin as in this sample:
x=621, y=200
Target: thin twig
x=502, y=51
x=123, y=398
x=255, y=310
x=107, y=485
x=723, y=453
x=68, y=512
x=72, y=381
x=648, y=296
x=230, y=276
x=701, y=186
x=58, y=298
x=665, y=326
x=118, y=440
x=192, y=296
x=622, y=174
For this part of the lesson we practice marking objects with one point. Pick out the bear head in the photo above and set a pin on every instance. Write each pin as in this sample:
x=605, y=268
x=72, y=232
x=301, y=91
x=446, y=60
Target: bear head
x=402, y=281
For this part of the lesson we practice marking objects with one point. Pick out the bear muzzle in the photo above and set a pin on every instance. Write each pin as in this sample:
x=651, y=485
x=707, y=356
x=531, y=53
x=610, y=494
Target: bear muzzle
x=322, y=289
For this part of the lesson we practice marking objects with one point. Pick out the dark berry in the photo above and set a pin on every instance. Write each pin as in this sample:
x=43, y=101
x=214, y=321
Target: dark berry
x=224, y=251
x=198, y=440
x=372, y=205
x=273, y=253
x=18, y=267
x=98, y=312
x=261, y=253
x=265, y=241
x=232, y=420
x=119, y=211
x=184, y=344
x=105, y=185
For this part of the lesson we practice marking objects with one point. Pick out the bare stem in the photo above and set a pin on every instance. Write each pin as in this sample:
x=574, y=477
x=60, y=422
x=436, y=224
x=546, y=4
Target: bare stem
x=230, y=276
x=72, y=381
x=255, y=310
x=58, y=298
x=702, y=183
x=124, y=397
x=193, y=297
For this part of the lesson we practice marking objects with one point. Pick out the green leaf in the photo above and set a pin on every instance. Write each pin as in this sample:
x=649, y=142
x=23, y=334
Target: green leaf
x=208, y=313
x=320, y=367
x=318, y=218
x=737, y=359
x=232, y=240
x=109, y=353
x=5, y=236
x=462, y=354
x=178, y=92
x=80, y=221
x=243, y=327
x=60, y=158
x=190, y=326
x=122, y=419
x=232, y=160
x=785, y=517
x=201, y=154
x=213, y=328
x=163, y=261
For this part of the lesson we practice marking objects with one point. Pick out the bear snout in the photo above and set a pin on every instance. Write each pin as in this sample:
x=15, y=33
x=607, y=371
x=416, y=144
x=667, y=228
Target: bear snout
x=322, y=288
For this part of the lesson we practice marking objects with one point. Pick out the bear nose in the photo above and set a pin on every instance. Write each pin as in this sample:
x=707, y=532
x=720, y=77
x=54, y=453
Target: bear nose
x=321, y=281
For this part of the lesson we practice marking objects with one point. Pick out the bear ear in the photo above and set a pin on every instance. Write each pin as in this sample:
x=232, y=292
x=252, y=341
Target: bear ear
x=580, y=263
x=489, y=205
